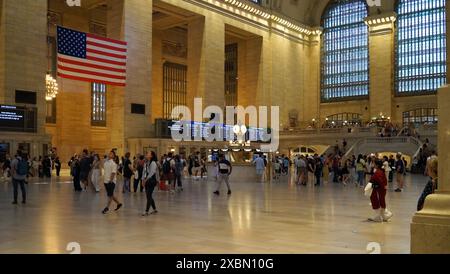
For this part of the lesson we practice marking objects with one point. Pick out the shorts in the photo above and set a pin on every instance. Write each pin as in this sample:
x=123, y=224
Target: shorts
x=259, y=171
x=110, y=189
x=84, y=176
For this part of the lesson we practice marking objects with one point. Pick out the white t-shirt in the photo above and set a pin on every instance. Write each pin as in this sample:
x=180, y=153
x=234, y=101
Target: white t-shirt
x=109, y=168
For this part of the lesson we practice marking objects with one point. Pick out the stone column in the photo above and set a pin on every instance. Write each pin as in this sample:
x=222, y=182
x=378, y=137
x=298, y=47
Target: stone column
x=381, y=63
x=312, y=92
x=206, y=59
x=430, y=228
x=131, y=21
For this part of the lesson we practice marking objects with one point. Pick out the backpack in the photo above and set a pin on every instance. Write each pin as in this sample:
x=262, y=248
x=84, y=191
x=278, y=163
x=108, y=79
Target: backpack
x=196, y=162
x=166, y=166
x=179, y=166
x=22, y=167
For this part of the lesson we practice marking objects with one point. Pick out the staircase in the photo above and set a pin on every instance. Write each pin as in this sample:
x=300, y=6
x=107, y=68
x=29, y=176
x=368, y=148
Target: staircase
x=406, y=145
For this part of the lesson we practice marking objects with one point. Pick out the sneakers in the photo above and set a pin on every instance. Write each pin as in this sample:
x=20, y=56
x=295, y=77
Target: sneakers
x=106, y=210
x=119, y=206
x=154, y=212
x=217, y=193
x=398, y=190
x=377, y=218
x=386, y=214
x=229, y=192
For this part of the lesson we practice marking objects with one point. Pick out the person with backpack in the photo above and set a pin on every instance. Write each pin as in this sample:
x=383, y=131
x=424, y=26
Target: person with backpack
x=168, y=168
x=75, y=172
x=197, y=165
x=19, y=171
x=225, y=170
x=180, y=164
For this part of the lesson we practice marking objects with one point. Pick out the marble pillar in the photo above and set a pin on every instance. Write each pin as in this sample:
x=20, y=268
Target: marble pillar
x=430, y=228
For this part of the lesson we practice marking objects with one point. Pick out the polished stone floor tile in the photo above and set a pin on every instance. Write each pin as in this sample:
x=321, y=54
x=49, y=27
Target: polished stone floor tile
x=258, y=218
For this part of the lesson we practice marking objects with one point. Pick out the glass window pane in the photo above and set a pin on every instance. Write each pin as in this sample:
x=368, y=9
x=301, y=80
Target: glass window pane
x=98, y=100
x=345, y=56
x=421, y=46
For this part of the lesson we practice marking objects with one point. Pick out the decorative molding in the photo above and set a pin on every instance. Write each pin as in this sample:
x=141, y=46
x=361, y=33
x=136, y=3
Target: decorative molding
x=262, y=17
x=381, y=24
x=170, y=48
x=97, y=28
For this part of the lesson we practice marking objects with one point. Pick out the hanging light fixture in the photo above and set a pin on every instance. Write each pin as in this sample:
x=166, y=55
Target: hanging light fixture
x=51, y=87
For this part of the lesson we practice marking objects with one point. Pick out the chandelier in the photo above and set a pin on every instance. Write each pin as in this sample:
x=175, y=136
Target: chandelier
x=51, y=87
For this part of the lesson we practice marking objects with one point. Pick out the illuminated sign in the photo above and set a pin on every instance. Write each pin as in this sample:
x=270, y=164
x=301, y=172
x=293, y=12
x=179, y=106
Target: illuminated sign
x=18, y=119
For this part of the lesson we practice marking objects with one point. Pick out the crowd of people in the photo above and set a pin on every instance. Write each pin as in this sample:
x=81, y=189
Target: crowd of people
x=36, y=167
x=359, y=171
x=145, y=173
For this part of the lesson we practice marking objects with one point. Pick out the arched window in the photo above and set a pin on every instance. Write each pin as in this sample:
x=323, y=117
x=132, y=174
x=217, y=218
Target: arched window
x=345, y=54
x=421, y=46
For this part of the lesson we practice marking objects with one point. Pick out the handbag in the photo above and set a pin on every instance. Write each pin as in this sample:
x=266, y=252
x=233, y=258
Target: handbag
x=368, y=190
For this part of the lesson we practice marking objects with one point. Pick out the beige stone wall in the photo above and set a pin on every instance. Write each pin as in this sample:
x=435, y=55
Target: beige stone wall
x=2, y=52
x=73, y=131
x=132, y=21
x=24, y=58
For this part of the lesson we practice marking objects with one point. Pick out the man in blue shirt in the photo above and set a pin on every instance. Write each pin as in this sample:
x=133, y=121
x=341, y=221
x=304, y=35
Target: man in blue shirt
x=260, y=167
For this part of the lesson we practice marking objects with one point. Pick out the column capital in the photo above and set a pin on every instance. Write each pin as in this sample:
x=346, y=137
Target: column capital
x=381, y=23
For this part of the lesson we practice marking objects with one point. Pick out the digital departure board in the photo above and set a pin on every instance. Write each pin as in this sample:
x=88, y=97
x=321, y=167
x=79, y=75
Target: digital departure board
x=202, y=131
x=17, y=119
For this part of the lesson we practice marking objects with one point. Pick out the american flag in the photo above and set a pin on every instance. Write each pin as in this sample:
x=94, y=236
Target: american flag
x=91, y=58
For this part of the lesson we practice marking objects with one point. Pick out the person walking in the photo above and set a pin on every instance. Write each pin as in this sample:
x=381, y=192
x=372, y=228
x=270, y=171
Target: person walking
x=75, y=172
x=96, y=173
x=225, y=170
x=19, y=171
x=361, y=170
x=149, y=181
x=386, y=167
x=392, y=167
x=400, y=170
x=180, y=164
x=168, y=168
x=85, y=168
x=58, y=166
x=378, y=197
x=260, y=168
x=110, y=180
x=127, y=173
x=318, y=169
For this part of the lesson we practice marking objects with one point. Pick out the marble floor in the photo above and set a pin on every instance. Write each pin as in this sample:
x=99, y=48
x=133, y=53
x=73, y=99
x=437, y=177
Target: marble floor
x=258, y=218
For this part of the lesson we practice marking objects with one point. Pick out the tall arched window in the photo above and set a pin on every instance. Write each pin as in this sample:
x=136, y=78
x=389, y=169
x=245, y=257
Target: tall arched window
x=421, y=46
x=345, y=54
